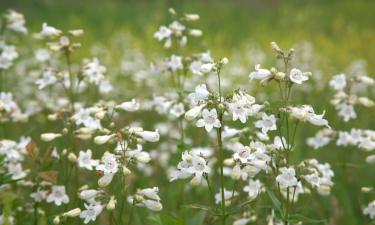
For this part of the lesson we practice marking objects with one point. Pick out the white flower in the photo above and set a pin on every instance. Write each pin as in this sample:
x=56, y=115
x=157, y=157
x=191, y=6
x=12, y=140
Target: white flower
x=177, y=110
x=151, y=136
x=85, y=161
x=148, y=198
x=163, y=33
x=48, y=78
x=200, y=93
x=338, y=82
x=313, y=179
x=16, y=21
x=130, y=106
x=207, y=67
x=49, y=31
x=297, y=76
x=267, y=123
x=83, y=116
x=198, y=168
x=259, y=73
x=58, y=195
x=253, y=188
x=108, y=164
x=39, y=195
x=175, y=63
x=16, y=171
x=6, y=102
x=346, y=111
x=42, y=55
x=91, y=212
x=195, y=68
x=93, y=71
x=287, y=178
x=209, y=120
x=370, y=210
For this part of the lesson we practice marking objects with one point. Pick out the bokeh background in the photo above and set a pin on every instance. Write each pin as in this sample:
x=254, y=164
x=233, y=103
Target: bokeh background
x=339, y=31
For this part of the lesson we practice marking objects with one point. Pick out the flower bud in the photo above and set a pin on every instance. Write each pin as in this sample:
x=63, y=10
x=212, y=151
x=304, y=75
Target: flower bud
x=99, y=140
x=130, y=106
x=153, y=205
x=105, y=180
x=88, y=194
x=365, y=102
x=195, y=32
x=280, y=76
x=366, y=189
x=143, y=157
x=370, y=159
x=112, y=203
x=72, y=213
x=72, y=157
x=56, y=220
x=224, y=60
x=151, y=136
x=47, y=137
x=194, y=112
x=191, y=17
x=126, y=171
x=52, y=117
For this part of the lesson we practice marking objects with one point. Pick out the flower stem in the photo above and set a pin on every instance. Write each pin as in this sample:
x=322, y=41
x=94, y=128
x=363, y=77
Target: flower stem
x=221, y=153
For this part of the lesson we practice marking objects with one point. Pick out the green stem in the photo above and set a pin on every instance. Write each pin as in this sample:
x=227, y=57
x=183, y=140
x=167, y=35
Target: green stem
x=221, y=154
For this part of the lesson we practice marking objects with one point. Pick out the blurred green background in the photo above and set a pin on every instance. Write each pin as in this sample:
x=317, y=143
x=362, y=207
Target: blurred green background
x=340, y=30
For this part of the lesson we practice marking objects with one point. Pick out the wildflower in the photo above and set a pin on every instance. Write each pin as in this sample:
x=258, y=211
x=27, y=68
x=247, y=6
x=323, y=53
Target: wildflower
x=94, y=71
x=16, y=171
x=175, y=63
x=49, y=31
x=15, y=21
x=287, y=178
x=163, y=33
x=85, y=161
x=201, y=93
x=338, y=82
x=48, y=78
x=346, y=111
x=91, y=212
x=58, y=195
x=209, y=120
x=39, y=195
x=297, y=76
x=177, y=110
x=260, y=73
x=151, y=136
x=130, y=106
x=108, y=164
x=370, y=210
x=267, y=123
x=253, y=188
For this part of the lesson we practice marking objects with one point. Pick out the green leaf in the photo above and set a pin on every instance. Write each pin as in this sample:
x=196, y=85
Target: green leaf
x=202, y=207
x=276, y=203
x=298, y=217
x=164, y=219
